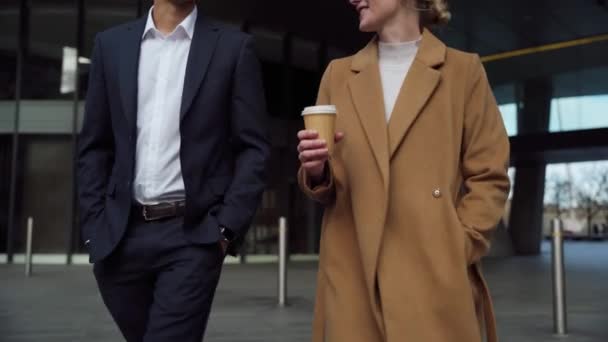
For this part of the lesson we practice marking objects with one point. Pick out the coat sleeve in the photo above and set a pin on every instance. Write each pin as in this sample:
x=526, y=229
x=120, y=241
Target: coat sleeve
x=323, y=192
x=250, y=143
x=485, y=159
x=95, y=149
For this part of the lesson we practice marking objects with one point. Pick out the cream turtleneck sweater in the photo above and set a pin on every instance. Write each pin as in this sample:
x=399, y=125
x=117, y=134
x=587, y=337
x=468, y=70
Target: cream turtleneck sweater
x=395, y=60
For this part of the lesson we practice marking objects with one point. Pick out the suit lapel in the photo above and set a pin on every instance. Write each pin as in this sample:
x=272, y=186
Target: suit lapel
x=201, y=50
x=366, y=93
x=419, y=85
x=129, y=68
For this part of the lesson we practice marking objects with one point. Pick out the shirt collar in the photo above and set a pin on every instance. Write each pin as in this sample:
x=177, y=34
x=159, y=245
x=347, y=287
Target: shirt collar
x=187, y=24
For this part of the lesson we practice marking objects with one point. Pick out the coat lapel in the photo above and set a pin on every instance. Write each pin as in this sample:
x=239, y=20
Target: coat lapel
x=129, y=68
x=366, y=93
x=201, y=50
x=420, y=83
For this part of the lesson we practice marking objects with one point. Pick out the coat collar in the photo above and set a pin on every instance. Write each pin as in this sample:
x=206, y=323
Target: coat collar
x=431, y=53
x=366, y=92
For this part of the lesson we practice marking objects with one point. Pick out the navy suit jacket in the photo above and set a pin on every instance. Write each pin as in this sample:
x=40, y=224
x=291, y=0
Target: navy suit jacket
x=224, y=143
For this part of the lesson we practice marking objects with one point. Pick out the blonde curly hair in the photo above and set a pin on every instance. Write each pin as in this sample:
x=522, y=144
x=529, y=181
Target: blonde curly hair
x=434, y=12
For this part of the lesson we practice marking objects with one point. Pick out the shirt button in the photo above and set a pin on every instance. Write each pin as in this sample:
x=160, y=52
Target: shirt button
x=437, y=193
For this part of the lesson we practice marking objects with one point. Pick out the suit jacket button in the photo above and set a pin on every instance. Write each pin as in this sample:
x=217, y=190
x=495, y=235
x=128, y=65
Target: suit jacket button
x=437, y=193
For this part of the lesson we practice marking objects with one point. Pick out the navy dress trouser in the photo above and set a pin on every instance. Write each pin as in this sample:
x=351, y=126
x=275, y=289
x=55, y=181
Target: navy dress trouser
x=158, y=286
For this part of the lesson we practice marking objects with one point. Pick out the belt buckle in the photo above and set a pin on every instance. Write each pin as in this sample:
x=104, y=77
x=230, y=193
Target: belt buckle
x=145, y=214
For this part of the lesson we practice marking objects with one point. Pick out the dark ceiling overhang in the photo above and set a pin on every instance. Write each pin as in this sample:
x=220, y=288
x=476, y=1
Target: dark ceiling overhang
x=561, y=147
x=329, y=27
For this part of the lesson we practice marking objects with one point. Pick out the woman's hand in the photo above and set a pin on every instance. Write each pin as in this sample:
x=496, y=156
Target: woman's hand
x=313, y=153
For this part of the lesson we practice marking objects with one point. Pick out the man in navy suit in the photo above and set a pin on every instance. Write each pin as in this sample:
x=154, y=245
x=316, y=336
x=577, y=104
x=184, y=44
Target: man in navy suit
x=172, y=164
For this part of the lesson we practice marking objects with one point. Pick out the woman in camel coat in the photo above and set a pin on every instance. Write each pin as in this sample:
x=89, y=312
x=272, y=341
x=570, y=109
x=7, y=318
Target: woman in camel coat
x=411, y=195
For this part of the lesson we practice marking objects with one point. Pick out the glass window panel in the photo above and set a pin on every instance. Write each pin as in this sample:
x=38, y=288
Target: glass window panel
x=578, y=194
x=507, y=213
x=9, y=33
x=509, y=116
x=579, y=112
x=52, y=30
x=48, y=82
x=101, y=15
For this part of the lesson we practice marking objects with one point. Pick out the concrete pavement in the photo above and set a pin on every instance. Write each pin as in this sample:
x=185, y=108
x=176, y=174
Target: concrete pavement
x=61, y=304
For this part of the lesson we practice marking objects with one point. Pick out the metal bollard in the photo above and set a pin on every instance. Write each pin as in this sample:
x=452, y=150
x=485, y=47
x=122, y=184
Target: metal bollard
x=282, y=286
x=559, y=283
x=28, y=247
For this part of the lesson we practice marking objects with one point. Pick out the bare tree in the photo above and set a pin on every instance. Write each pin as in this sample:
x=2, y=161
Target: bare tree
x=604, y=209
x=561, y=195
x=592, y=193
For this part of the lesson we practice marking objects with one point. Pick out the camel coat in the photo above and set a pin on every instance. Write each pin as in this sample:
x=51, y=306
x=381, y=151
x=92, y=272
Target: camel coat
x=409, y=205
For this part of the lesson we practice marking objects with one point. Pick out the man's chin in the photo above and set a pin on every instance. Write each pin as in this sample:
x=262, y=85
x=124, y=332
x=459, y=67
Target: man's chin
x=182, y=2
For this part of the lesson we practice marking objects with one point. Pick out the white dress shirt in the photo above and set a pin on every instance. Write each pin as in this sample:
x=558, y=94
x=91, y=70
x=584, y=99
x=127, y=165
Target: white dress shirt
x=395, y=61
x=162, y=69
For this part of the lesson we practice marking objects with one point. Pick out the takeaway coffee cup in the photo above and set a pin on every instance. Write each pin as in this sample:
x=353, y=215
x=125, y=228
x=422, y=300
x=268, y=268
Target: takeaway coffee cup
x=323, y=120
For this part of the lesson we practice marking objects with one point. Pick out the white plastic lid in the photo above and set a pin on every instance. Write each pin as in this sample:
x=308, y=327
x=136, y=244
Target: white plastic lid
x=327, y=109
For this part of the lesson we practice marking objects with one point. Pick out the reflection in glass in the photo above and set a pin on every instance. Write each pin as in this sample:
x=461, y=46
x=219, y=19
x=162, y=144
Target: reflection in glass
x=567, y=114
x=579, y=112
x=507, y=213
x=577, y=193
x=9, y=33
x=509, y=116
x=45, y=154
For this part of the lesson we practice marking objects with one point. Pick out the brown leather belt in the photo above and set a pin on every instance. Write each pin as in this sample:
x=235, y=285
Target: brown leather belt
x=160, y=211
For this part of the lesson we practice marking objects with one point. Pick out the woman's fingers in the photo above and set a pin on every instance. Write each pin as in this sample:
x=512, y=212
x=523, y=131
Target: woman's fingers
x=339, y=136
x=320, y=154
x=313, y=165
x=313, y=152
x=311, y=145
x=308, y=134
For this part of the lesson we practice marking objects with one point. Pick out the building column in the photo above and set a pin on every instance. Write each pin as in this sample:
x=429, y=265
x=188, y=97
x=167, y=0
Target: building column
x=525, y=223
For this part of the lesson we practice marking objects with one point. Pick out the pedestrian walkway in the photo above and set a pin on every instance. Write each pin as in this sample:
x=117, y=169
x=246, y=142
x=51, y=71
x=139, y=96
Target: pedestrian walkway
x=61, y=304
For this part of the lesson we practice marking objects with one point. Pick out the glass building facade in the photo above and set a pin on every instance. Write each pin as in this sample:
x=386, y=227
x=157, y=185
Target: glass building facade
x=45, y=46
x=44, y=61
x=578, y=190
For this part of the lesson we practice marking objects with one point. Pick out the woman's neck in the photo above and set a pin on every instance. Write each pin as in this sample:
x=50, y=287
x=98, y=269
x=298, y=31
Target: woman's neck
x=167, y=15
x=404, y=26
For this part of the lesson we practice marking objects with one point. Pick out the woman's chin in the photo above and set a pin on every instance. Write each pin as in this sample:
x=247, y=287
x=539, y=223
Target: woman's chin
x=366, y=27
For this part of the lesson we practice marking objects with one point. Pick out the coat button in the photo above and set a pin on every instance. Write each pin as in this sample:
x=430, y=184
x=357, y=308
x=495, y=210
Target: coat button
x=437, y=193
